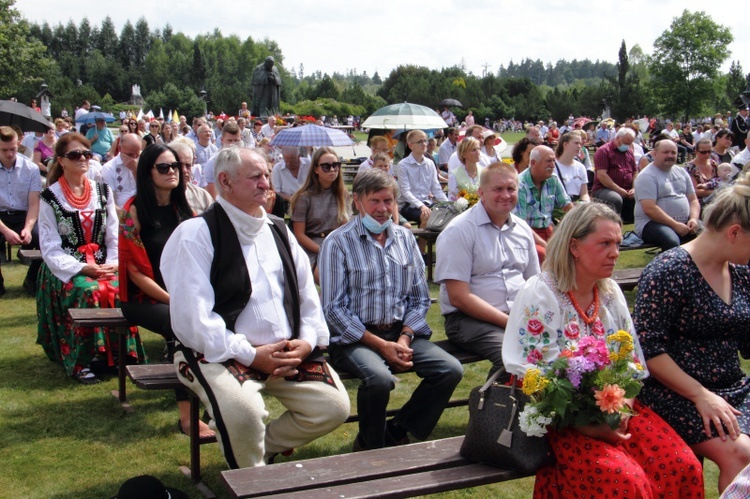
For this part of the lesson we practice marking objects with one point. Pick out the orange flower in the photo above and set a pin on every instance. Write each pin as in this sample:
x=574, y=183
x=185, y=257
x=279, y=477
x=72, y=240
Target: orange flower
x=566, y=353
x=610, y=399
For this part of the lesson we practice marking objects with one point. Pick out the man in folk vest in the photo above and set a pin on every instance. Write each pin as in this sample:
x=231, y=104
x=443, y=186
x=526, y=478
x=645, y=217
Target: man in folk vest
x=248, y=317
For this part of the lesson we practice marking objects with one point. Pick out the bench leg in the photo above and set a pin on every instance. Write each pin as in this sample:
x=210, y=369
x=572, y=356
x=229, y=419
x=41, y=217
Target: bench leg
x=121, y=393
x=194, y=472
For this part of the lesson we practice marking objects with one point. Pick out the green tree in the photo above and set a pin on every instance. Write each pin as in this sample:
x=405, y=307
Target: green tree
x=625, y=95
x=108, y=40
x=686, y=61
x=22, y=58
x=735, y=83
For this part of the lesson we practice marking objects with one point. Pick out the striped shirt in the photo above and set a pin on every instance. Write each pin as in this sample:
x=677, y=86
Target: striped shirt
x=363, y=282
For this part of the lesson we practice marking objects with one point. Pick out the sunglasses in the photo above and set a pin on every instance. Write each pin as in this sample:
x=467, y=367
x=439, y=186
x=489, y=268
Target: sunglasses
x=326, y=167
x=164, y=168
x=76, y=155
x=703, y=152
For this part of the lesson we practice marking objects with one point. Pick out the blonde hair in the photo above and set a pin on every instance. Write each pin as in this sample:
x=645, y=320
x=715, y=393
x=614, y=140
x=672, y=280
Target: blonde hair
x=465, y=146
x=576, y=224
x=730, y=206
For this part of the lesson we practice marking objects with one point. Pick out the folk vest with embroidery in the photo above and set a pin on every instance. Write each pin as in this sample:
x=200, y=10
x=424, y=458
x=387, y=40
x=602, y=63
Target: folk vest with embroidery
x=71, y=231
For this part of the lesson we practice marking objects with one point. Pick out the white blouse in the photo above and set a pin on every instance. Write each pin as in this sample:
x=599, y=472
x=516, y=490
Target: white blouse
x=63, y=265
x=543, y=322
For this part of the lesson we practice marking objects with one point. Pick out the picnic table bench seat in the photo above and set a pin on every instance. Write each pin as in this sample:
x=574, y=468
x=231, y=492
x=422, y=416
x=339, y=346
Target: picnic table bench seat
x=404, y=471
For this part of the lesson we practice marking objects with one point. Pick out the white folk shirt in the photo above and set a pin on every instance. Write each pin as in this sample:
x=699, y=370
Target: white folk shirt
x=186, y=267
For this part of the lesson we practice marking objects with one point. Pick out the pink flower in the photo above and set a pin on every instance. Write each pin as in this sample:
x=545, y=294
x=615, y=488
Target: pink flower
x=535, y=327
x=594, y=350
x=534, y=356
x=610, y=399
x=572, y=331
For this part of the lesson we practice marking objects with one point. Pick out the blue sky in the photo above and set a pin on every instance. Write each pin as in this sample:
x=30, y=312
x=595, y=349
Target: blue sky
x=337, y=35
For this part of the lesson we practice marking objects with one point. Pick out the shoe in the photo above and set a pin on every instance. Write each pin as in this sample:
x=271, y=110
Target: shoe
x=358, y=446
x=30, y=287
x=181, y=429
x=85, y=377
x=271, y=458
x=390, y=441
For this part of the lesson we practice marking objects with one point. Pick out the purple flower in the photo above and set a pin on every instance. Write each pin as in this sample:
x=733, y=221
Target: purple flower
x=577, y=366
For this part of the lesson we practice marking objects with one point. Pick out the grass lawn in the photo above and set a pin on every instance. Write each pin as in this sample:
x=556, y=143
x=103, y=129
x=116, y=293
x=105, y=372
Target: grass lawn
x=64, y=440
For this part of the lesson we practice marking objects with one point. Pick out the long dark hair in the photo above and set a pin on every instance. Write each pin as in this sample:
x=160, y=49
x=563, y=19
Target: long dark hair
x=145, y=199
x=61, y=146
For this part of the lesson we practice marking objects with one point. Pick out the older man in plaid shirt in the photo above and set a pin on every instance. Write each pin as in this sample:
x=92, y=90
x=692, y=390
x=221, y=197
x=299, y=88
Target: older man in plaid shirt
x=615, y=174
x=539, y=194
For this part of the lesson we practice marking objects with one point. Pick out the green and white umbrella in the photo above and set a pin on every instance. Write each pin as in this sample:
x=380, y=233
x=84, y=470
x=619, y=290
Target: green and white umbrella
x=405, y=116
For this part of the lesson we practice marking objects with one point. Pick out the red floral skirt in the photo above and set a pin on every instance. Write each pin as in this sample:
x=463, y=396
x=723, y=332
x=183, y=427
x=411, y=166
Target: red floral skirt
x=654, y=463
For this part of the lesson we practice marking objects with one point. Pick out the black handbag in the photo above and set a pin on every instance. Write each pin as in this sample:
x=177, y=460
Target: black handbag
x=493, y=436
x=441, y=215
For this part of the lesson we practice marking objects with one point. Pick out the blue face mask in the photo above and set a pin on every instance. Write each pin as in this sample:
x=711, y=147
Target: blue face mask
x=374, y=226
x=623, y=148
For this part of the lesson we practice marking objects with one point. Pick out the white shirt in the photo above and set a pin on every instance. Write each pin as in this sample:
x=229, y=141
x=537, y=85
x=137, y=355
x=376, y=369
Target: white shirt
x=186, y=267
x=494, y=261
x=60, y=263
x=120, y=179
x=267, y=131
x=417, y=182
x=283, y=180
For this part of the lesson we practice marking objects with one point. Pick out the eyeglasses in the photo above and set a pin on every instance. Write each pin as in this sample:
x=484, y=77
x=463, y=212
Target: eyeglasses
x=326, y=167
x=164, y=168
x=76, y=155
x=420, y=142
x=703, y=152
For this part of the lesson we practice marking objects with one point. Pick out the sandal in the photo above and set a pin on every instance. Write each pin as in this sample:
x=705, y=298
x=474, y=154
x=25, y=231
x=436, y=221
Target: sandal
x=86, y=377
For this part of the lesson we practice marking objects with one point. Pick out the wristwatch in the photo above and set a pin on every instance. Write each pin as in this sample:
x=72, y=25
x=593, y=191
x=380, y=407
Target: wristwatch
x=408, y=335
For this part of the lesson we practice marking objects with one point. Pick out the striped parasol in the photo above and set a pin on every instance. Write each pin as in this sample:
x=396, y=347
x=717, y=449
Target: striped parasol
x=311, y=136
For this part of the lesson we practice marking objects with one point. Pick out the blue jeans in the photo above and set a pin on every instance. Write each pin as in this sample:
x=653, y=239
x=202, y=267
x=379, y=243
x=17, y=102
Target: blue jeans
x=663, y=236
x=440, y=373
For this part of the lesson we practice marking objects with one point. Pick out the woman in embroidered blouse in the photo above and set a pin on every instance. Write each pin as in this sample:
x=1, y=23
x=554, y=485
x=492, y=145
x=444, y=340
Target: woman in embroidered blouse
x=320, y=205
x=702, y=169
x=572, y=298
x=572, y=173
x=466, y=175
x=692, y=314
x=78, y=239
x=146, y=222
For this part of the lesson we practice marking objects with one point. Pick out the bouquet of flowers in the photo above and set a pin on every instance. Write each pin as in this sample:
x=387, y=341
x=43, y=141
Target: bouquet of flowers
x=467, y=197
x=587, y=384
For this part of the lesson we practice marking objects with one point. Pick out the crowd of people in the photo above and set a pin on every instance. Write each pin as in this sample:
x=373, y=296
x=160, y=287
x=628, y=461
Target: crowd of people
x=183, y=228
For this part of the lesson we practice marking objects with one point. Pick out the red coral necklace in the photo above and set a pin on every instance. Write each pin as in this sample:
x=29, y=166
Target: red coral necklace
x=78, y=202
x=586, y=319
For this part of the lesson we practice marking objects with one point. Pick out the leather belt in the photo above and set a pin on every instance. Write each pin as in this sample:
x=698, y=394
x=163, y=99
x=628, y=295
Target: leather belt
x=11, y=213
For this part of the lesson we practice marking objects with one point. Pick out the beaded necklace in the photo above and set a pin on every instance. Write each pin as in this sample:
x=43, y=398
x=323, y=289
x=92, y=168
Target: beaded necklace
x=78, y=202
x=588, y=320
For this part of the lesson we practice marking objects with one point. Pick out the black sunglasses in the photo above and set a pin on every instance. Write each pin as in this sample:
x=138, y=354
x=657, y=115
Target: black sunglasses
x=76, y=155
x=326, y=167
x=164, y=168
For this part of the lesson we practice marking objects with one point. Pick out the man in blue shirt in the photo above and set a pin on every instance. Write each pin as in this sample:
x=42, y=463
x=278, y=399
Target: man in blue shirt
x=20, y=184
x=375, y=300
x=101, y=139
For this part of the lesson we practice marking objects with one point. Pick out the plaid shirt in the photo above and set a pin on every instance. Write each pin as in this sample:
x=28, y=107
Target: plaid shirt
x=535, y=207
x=620, y=166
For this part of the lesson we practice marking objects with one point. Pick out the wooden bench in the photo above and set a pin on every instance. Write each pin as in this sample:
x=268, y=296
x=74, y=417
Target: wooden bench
x=627, y=279
x=164, y=377
x=29, y=255
x=404, y=471
x=349, y=171
x=112, y=318
x=430, y=236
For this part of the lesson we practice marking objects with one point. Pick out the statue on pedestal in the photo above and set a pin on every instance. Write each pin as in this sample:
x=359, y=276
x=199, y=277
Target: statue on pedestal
x=266, y=88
